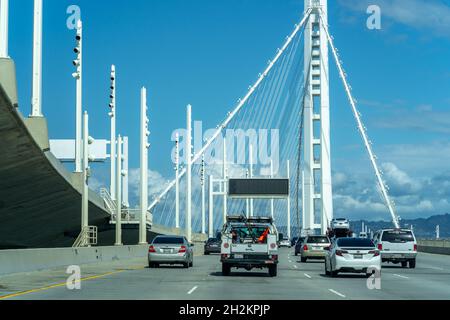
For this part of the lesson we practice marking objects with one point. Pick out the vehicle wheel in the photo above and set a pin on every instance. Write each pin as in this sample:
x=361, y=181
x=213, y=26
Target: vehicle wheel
x=304, y=259
x=412, y=264
x=333, y=274
x=273, y=271
x=151, y=265
x=192, y=264
x=296, y=254
x=156, y=265
x=186, y=265
x=226, y=269
x=404, y=264
x=206, y=253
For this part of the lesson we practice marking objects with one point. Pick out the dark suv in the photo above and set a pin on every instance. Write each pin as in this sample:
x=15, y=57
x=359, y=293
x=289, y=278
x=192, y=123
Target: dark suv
x=212, y=245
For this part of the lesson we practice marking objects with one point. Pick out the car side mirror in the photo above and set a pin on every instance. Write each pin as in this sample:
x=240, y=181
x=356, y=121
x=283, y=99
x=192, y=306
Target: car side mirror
x=328, y=248
x=191, y=244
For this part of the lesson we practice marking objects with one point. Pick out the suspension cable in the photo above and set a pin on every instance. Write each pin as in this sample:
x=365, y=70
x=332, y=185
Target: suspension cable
x=241, y=103
x=361, y=127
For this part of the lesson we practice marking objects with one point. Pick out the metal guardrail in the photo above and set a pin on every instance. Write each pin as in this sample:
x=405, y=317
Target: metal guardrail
x=129, y=216
x=87, y=237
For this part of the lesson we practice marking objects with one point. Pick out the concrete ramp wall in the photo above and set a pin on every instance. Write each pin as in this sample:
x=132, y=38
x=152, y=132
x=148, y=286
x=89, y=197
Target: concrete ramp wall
x=30, y=260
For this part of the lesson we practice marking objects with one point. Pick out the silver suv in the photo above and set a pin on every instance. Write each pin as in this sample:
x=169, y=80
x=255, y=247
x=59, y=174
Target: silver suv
x=397, y=246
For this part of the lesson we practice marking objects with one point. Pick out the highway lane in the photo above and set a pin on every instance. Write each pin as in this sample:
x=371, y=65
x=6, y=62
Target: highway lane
x=296, y=280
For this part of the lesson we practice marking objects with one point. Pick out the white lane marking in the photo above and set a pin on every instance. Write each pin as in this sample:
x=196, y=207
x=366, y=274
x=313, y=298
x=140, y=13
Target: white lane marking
x=307, y=275
x=436, y=268
x=337, y=293
x=192, y=290
x=400, y=276
x=295, y=266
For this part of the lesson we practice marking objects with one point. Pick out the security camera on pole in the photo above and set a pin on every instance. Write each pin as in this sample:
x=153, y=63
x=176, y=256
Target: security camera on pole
x=78, y=63
x=119, y=193
x=145, y=133
x=189, y=173
x=36, y=100
x=112, y=115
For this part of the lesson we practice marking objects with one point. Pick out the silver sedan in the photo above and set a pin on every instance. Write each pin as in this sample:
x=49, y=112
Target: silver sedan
x=170, y=250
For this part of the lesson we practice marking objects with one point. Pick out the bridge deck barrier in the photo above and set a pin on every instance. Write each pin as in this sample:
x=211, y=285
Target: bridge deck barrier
x=434, y=246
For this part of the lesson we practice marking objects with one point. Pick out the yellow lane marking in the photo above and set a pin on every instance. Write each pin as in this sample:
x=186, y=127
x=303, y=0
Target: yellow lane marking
x=58, y=285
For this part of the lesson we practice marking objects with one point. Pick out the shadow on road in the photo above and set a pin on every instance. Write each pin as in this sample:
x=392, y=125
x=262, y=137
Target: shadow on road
x=241, y=274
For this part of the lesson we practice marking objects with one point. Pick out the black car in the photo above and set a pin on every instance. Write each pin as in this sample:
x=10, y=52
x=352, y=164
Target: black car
x=298, y=245
x=212, y=245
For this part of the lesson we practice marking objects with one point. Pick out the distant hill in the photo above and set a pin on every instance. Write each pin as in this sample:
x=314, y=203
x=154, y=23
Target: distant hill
x=423, y=228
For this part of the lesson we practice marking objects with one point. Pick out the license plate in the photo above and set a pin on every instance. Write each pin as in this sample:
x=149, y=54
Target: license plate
x=167, y=250
x=239, y=256
x=358, y=256
x=317, y=248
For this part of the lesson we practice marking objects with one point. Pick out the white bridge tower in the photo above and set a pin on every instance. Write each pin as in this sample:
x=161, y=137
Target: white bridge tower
x=318, y=198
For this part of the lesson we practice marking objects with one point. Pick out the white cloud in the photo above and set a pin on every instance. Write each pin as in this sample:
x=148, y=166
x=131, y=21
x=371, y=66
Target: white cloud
x=427, y=15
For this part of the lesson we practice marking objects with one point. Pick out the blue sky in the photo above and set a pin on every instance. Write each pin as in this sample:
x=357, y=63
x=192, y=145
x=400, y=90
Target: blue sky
x=206, y=53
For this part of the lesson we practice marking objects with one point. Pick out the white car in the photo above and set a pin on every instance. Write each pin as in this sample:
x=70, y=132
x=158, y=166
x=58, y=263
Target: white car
x=286, y=243
x=363, y=235
x=352, y=255
x=340, y=223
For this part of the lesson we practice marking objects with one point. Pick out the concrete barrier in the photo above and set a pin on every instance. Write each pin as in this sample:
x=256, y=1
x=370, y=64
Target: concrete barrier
x=434, y=246
x=17, y=261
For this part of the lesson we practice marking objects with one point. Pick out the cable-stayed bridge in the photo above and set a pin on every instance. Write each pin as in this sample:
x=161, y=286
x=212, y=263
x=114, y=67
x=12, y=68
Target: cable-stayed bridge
x=280, y=129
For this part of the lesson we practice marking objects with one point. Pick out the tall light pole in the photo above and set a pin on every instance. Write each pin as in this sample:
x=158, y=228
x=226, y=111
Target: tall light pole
x=36, y=100
x=4, y=9
x=125, y=173
x=271, y=200
x=437, y=232
x=288, y=205
x=211, y=207
x=247, y=201
x=112, y=115
x=202, y=179
x=119, y=193
x=177, y=181
x=188, y=151
x=78, y=75
x=85, y=189
x=224, y=180
x=251, y=177
x=145, y=133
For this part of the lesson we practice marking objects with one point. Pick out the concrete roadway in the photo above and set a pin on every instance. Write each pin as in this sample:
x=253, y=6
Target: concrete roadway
x=133, y=280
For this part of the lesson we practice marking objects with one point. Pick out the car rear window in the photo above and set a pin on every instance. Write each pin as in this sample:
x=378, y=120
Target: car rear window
x=355, y=242
x=168, y=240
x=318, y=240
x=212, y=240
x=397, y=236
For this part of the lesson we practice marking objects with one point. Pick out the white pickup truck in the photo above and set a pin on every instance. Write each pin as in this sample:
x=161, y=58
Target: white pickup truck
x=249, y=243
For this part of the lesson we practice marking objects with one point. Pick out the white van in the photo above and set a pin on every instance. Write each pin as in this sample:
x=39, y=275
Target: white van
x=397, y=246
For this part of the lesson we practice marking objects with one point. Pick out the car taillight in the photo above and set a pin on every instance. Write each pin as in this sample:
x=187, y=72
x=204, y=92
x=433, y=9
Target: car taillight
x=305, y=247
x=182, y=249
x=380, y=246
x=340, y=252
x=273, y=246
x=274, y=257
x=415, y=247
x=375, y=253
x=151, y=249
x=224, y=256
x=226, y=245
